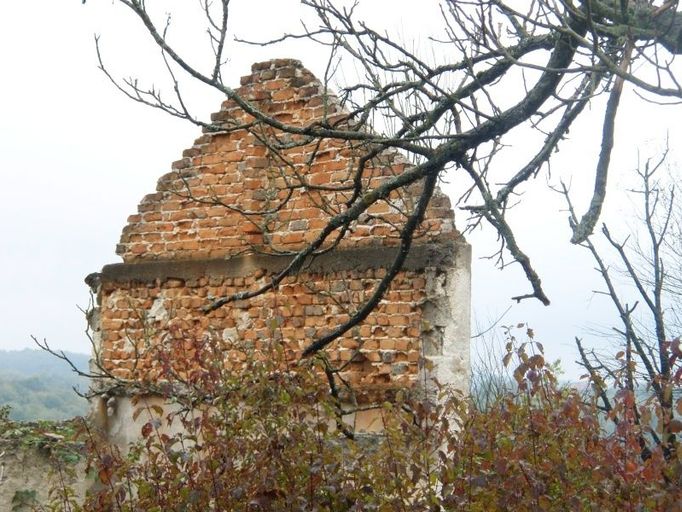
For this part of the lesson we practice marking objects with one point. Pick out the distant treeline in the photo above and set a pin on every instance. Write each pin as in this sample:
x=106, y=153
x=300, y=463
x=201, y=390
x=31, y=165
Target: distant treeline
x=38, y=386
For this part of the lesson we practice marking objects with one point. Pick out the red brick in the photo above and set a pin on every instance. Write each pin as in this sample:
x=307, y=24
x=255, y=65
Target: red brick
x=238, y=169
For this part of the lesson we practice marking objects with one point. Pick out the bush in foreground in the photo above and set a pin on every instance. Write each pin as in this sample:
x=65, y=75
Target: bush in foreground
x=267, y=438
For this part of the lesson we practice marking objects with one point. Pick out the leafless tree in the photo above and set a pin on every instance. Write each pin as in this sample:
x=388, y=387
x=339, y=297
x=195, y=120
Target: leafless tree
x=499, y=68
x=647, y=368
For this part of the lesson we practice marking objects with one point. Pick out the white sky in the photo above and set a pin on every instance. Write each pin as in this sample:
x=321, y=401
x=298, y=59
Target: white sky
x=76, y=157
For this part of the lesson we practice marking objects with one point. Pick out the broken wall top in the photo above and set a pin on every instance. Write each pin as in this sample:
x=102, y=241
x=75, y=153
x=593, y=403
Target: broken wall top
x=249, y=188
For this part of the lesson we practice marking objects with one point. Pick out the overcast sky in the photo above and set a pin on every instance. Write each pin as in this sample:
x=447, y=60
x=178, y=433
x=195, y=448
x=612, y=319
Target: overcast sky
x=76, y=158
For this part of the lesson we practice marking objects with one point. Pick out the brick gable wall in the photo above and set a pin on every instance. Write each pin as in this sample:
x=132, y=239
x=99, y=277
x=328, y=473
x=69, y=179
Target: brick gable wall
x=231, y=210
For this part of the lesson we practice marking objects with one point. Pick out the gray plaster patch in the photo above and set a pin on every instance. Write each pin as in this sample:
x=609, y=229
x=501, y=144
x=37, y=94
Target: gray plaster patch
x=446, y=324
x=158, y=311
x=230, y=334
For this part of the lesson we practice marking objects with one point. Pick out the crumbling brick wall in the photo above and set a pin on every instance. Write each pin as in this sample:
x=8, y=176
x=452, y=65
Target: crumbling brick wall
x=240, y=201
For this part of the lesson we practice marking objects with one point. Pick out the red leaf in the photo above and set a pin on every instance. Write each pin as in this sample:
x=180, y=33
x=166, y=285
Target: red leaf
x=147, y=429
x=536, y=361
x=104, y=475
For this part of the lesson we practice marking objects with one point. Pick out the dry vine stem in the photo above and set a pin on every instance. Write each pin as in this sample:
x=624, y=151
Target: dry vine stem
x=498, y=68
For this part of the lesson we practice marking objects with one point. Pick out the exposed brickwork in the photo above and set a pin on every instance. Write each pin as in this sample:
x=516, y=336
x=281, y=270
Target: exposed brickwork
x=227, y=175
x=385, y=347
x=231, y=195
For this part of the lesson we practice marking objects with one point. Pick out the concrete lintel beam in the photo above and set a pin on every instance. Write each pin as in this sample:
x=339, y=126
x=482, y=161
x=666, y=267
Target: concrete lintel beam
x=440, y=255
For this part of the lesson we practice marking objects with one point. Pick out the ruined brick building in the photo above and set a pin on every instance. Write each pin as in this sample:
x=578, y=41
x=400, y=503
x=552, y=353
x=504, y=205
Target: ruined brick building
x=228, y=216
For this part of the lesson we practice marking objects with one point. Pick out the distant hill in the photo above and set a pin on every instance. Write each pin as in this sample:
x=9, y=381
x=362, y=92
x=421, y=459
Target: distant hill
x=38, y=386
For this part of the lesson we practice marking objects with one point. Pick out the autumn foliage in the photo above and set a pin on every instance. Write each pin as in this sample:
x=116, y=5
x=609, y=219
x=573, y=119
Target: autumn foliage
x=268, y=439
